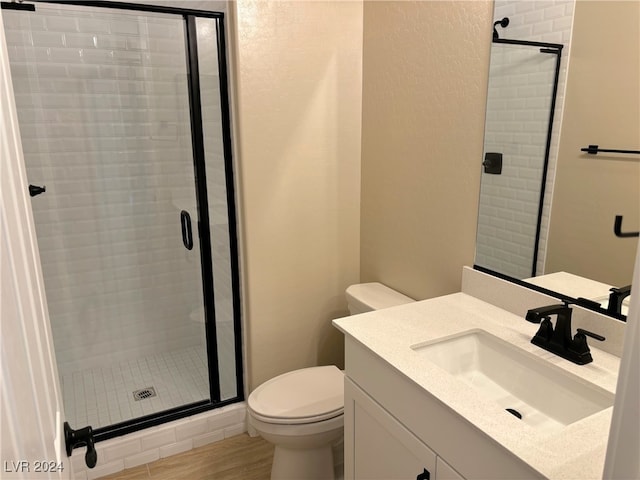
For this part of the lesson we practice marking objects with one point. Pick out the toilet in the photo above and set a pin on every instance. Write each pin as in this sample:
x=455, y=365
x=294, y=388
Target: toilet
x=302, y=412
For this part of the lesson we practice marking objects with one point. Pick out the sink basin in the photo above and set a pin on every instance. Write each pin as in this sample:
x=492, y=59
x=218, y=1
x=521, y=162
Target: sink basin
x=544, y=396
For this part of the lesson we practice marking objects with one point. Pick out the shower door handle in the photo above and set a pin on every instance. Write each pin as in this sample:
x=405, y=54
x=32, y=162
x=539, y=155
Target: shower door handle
x=492, y=163
x=187, y=235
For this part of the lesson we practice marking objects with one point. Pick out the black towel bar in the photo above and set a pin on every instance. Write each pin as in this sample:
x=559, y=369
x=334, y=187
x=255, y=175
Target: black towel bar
x=595, y=149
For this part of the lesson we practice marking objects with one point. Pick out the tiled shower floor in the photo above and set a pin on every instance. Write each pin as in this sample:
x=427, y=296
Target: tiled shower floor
x=103, y=396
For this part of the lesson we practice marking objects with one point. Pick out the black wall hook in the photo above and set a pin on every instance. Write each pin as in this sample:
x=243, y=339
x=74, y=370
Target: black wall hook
x=617, y=229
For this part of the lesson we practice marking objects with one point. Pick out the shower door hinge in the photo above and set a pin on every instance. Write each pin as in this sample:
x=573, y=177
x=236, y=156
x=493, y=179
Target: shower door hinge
x=78, y=438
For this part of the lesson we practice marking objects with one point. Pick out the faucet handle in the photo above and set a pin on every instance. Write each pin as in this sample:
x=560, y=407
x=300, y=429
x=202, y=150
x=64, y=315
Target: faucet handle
x=545, y=332
x=590, y=334
x=580, y=346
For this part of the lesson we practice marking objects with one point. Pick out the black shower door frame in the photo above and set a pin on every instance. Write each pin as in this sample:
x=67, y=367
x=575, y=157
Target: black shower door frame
x=195, y=108
x=554, y=49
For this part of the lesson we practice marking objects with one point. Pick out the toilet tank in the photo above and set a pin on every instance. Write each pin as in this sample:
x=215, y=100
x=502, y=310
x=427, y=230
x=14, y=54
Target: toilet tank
x=366, y=297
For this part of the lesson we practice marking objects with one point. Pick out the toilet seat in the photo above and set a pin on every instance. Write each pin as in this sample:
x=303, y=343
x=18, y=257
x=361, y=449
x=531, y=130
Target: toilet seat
x=308, y=395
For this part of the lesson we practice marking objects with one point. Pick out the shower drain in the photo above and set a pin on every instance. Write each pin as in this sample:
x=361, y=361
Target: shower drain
x=144, y=393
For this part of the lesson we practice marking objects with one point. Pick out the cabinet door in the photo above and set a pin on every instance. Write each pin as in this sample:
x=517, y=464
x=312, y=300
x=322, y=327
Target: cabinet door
x=383, y=449
x=445, y=472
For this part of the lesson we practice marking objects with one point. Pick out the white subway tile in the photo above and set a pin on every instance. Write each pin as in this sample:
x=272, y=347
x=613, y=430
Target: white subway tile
x=234, y=430
x=137, y=43
x=543, y=28
x=122, y=449
x=105, y=469
x=165, y=29
x=208, y=438
x=524, y=6
x=555, y=11
x=556, y=37
x=82, y=40
x=123, y=26
x=61, y=23
x=34, y=55
x=77, y=461
x=175, y=448
x=83, y=71
x=80, y=475
x=18, y=21
x=141, y=458
x=111, y=41
x=97, y=56
x=159, y=438
x=48, y=39
x=93, y=25
x=191, y=429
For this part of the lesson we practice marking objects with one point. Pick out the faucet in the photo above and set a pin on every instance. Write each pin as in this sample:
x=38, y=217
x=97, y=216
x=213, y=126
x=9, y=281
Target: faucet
x=616, y=297
x=559, y=340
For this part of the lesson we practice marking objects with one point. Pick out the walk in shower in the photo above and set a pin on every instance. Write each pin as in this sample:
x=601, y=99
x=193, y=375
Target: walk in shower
x=124, y=118
x=513, y=210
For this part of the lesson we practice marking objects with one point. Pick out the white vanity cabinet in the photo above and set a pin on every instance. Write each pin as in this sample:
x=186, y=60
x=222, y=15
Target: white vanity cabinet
x=445, y=471
x=395, y=430
x=381, y=448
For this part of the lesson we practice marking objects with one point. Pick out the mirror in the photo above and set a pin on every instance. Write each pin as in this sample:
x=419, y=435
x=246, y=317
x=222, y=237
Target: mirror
x=557, y=233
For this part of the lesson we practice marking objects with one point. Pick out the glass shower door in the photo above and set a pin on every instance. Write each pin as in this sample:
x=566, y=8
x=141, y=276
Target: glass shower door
x=221, y=217
x=520, y=102
x=103, y=101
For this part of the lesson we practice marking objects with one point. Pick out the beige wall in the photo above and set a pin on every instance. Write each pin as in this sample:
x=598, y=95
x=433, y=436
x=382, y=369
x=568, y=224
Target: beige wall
x=602, y=107
x=425, y=75
x=300, y=105
x=298, y=97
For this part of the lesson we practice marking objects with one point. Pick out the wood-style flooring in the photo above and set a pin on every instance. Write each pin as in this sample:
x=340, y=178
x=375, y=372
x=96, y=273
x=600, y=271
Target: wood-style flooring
x=239, y=457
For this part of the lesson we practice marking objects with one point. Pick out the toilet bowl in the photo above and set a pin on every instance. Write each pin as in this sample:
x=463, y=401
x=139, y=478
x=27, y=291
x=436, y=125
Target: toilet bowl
x=302, y=412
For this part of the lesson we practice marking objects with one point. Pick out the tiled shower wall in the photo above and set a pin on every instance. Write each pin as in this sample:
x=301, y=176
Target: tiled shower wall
x=505, y=244
x=104, y=118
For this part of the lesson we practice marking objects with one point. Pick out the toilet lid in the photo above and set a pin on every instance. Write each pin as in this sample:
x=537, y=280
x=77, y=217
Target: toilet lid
x=302, y=396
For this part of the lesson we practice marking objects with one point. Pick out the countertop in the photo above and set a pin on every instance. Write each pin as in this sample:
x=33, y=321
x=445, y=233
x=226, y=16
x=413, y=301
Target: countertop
x=575, y=451
x=576, y=286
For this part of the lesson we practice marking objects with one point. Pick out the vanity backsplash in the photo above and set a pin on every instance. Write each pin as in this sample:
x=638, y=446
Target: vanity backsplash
x=518, y=300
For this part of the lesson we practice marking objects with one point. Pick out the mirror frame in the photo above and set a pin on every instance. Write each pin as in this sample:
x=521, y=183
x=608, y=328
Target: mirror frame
x=581, y=302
